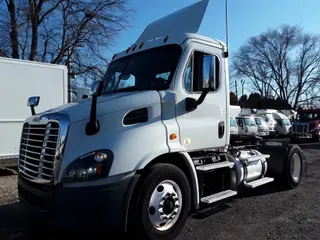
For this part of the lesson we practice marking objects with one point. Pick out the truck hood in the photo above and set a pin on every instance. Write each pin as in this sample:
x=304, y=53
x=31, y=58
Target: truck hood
x=107, y=103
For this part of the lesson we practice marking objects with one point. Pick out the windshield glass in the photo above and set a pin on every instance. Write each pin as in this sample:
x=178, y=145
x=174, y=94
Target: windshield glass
x=308, y=116
x=249, y=122
x=233, y=122
x=152, y=69
x=286, y=122
x=259, y=121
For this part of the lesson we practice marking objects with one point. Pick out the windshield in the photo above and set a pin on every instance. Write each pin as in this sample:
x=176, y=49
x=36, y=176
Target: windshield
x=249, y=122
x=233, y=122
x=308, y=116
x=259, y=121
x=152, y=69
x=286, y=122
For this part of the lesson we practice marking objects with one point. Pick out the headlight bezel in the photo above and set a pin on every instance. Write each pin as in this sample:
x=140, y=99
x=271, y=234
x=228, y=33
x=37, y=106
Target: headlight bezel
x=88, y=168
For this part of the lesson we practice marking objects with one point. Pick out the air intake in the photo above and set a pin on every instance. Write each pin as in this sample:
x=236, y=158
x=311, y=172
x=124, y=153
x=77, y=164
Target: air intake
x=136, y=116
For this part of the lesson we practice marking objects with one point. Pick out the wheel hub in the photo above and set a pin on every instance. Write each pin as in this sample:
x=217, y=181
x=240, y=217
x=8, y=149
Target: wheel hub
x=296, y=167
x=165, y=205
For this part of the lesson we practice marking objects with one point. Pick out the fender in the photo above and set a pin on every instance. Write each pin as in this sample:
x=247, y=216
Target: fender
x=194, y=178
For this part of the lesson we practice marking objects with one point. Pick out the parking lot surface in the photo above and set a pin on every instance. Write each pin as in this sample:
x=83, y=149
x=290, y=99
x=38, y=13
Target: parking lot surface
x=263, y=213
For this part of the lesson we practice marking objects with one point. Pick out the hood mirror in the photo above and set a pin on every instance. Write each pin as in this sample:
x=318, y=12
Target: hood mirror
x=125, y=77
x=33, y=102
x=94, y=87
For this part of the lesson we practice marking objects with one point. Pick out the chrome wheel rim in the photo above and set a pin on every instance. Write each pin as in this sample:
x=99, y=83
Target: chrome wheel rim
x=296, y=167
x=165, y=205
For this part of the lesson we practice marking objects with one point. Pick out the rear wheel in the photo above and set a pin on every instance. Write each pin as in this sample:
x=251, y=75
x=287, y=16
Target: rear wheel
x=293, y=167
x=163, y=203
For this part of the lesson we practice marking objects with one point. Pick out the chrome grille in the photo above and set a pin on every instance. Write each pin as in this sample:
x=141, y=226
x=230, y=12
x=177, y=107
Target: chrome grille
x=300, y=128
x=38, y=150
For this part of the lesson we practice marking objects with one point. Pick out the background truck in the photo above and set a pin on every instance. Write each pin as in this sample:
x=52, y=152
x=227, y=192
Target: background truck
x=152, y=144
x=19, y=80
x=266, y=114
x=306, y=126
x=283, y=124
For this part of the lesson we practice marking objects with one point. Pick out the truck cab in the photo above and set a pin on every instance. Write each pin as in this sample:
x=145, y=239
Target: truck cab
x=283, y=126
x=151, y=144
x=247, y=125
x=234, y=128
x=263, y=129
x=266, y=114
x=306, y=125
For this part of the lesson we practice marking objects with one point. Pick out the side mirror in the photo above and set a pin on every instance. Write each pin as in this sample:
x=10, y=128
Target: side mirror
x=208, y=76
x=208, y=80
x=33, y=102
x=94, y=87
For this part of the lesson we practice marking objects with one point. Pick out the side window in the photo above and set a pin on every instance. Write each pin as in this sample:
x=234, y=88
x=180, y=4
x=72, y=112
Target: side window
x=126, y=81
x=202, y=66
x=188, y=76
x=164, y=76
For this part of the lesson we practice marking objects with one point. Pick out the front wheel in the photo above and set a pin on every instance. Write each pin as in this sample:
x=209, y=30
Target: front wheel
x=163, y=203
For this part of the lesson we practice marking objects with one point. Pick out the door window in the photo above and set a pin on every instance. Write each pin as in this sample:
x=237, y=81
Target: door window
x=201, y=64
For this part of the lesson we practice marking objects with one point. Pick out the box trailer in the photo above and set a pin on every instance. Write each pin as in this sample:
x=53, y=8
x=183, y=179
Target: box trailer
x=19, y=80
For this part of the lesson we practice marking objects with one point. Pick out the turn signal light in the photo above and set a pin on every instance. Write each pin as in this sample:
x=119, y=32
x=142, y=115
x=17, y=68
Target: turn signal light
x=173, y=136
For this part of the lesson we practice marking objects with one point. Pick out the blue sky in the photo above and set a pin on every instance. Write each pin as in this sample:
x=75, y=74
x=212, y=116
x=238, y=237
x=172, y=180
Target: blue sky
x=246, y=18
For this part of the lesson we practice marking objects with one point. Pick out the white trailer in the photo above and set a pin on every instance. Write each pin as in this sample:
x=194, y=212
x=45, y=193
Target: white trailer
x=152, y=144
x=19, y=80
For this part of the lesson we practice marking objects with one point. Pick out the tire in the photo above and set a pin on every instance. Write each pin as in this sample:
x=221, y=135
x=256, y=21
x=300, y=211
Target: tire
x=145, y=220
x=293, y=168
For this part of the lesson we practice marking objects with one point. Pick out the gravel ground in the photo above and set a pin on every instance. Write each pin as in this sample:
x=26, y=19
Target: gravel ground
x=262, y=213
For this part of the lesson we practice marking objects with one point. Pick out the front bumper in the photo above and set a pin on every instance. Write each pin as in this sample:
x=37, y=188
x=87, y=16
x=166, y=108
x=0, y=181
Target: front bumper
x=263, y=133
x=303, y=135
x=93, y=208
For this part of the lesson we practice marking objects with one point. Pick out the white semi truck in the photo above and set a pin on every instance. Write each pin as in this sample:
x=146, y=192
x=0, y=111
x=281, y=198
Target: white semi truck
x=151, y=144
x=19, y=80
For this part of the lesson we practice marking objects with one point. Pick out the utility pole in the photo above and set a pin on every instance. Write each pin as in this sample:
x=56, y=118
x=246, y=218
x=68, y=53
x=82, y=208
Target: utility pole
x=242, y=86
x=235, y=83
x=69, y=71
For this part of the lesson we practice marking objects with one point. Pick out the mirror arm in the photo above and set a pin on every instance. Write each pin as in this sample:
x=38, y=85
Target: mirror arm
x=93, y=125
x=192, y=104
x=202, y=96
x=33, y=112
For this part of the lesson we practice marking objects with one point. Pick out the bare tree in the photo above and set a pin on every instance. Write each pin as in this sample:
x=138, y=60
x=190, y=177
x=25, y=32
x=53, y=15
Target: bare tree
x=282, y=62
x=74, y=32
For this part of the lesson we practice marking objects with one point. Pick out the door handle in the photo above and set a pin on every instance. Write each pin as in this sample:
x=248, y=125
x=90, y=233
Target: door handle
x=221, y=129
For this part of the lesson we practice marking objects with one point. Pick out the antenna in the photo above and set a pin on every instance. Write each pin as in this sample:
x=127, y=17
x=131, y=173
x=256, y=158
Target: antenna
x=227, y=37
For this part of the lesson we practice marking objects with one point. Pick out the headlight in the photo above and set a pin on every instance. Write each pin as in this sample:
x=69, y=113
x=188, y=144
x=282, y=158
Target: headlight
x=91, y=166
x=312, y=130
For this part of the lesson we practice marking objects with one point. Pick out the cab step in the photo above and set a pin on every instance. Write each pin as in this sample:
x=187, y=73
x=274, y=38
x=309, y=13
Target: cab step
x=258, y=182
x=255, y=158
x=213, y=166
x=218, y=196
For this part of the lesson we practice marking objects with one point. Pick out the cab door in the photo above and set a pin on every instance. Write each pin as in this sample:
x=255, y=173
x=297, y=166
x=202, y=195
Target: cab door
x=206, y=125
